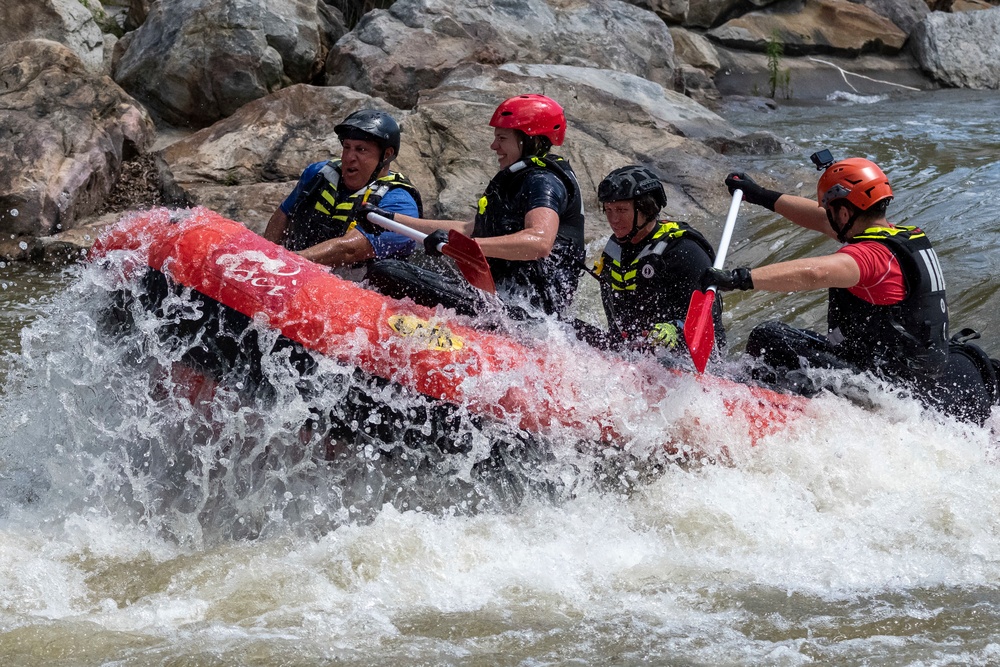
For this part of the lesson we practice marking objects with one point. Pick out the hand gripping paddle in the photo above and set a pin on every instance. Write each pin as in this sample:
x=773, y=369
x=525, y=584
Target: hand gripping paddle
x=699, y=328
x=465, y=251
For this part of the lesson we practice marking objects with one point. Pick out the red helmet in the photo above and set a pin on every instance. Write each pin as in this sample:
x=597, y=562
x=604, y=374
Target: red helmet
x=855, y=179
x=535, y=115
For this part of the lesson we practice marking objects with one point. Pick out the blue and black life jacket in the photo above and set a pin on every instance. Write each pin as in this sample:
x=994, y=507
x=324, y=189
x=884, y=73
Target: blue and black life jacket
x=325, y=210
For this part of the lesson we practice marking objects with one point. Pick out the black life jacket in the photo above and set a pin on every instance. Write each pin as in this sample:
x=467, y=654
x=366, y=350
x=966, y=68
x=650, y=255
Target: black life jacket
x=324, y=211
x=905, y=340
x=550, y=282
x=633, y=294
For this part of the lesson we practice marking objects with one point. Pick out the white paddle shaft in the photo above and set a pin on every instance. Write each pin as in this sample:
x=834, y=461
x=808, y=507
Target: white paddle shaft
x=727, y=231
x=399, y=228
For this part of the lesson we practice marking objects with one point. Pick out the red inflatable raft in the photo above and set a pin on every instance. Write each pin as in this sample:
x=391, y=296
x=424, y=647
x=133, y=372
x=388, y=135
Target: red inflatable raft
x=563, y=388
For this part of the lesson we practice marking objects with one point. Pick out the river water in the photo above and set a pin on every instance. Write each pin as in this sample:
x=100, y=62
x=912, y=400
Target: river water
x=147, y=520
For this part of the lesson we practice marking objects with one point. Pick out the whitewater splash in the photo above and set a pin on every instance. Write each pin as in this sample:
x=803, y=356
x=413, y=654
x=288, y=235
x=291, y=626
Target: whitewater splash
x=290, y=442
x=119, y=415
x=131, y=487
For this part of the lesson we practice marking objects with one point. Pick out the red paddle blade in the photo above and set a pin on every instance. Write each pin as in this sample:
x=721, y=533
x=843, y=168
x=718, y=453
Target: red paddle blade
x=470, y=260
x=699, y=328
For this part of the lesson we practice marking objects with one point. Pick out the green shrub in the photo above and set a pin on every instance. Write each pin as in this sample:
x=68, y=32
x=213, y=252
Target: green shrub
x=777, y=78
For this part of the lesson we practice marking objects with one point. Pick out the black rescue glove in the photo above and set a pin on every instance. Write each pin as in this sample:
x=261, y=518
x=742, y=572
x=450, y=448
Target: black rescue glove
x=727, y=281
x=752, y=193
x=433, y=240
x=367, y=208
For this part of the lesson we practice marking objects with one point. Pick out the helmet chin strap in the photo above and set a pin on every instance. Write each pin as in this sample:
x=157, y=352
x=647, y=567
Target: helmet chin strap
x=635, y=229
x=842, y=231
x=378, y=168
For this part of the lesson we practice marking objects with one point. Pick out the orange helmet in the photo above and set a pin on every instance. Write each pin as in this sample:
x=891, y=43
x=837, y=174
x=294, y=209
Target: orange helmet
x=535, y=115
x=855, y=179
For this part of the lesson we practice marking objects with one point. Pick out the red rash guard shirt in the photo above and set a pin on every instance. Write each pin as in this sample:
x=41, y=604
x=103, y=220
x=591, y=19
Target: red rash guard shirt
x=881, y=280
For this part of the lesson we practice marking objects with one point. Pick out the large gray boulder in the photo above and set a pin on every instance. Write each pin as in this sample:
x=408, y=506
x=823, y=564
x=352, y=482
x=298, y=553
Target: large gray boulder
x=193, y=62
x=960, y=50
x=906, y=14
x=65, y=21
x=66, y=132
x=415, y=44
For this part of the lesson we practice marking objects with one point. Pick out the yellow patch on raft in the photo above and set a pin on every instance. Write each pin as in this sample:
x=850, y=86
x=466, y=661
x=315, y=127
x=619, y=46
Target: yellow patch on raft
x=438, y=337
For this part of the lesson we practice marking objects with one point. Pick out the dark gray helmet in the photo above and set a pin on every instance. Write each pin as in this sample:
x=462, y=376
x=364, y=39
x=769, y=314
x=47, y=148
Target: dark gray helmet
x=631, y=182
x=371, y=125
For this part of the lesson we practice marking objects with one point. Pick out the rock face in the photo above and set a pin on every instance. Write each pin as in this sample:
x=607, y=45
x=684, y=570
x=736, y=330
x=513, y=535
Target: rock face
x=813, y=27
x=906, y=14
x=65, y=21
x=413, y=46
x=66, y=132
x=246, y=71
x=960, y=49
x=815, y=77
x=195, y=61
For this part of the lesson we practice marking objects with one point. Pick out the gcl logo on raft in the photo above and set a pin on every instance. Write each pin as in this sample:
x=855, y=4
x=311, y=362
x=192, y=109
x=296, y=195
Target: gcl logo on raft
x=247, y=266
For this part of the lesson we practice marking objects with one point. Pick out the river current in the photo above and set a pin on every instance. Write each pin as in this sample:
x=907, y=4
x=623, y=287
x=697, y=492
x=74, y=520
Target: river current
x=146, y=519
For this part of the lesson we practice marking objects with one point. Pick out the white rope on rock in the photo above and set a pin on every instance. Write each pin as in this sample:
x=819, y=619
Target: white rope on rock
x=844, y=73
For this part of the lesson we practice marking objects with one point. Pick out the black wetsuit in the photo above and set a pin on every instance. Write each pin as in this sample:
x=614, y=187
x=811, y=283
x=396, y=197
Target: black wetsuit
x=651, y=282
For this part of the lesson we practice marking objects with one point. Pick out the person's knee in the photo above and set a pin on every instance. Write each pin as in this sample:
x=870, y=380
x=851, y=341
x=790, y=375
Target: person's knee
x=765, y=338
x=964, y=391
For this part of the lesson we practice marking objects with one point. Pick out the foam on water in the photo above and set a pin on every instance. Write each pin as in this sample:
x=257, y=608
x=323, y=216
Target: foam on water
x=854, y=98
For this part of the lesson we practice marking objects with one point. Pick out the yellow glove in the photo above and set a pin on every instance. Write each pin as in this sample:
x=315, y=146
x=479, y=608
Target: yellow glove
x=664, y=334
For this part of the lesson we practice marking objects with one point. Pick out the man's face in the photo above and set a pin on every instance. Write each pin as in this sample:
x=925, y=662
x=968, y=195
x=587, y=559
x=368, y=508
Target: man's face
x=357, y=162
x=506, y=145
x=621, y=216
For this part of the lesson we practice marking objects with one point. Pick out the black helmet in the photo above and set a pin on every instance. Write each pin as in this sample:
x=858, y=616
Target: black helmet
x=631, y=182
x=371, y=125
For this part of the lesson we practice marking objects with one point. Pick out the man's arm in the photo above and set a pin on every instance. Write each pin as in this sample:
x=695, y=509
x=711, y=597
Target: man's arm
x=276, y=226
x=350, y=248
x=804, y=213
x=807, y=273
x=428, y=226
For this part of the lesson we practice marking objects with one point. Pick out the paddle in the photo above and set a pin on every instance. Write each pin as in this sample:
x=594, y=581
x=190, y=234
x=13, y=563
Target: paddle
x=699, y=328
x=465, y=251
